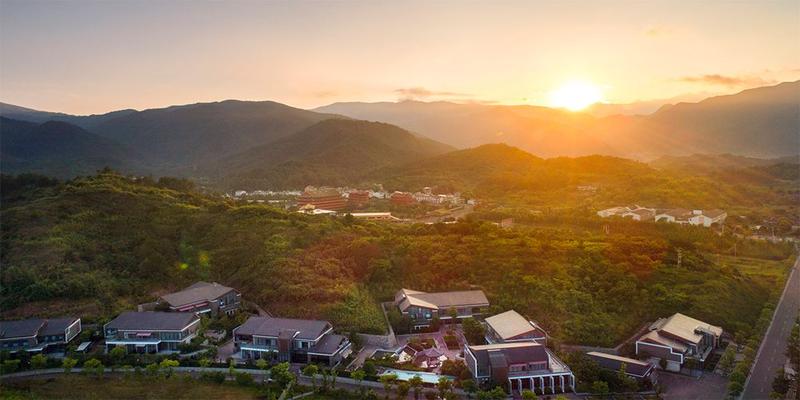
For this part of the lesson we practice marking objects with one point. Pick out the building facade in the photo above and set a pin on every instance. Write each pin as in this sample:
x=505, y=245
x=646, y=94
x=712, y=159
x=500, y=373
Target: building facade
x=677, y=339
x=38, y=335
x=322, y=198
x=520, y=366
x=422, y=308
x=510, y=326
x=151, y=331
x=204, y=297
x=290, y=340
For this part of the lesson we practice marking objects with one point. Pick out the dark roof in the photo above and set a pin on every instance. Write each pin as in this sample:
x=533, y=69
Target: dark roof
x=152, y=321
x=199, y=292
x=613, y=362
x=328, y=344
x=267, y=326
x=57, y=326
x=514, y=353
x=21, y=328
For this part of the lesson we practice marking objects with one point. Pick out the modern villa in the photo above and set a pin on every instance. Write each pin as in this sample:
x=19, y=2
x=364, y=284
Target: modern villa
x=678, y=338
x=204, y=297
x=639, y=370
x=151, y=331
x=292, y=340
x=422, y=307
x=38, y=335
x=523, y=365
x=510, y=327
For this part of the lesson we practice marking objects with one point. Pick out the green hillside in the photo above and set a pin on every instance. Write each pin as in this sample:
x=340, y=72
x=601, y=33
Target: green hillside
x=97, y=246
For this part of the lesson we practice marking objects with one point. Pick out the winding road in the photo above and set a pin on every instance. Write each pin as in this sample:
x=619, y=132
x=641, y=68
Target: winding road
x=772, y=354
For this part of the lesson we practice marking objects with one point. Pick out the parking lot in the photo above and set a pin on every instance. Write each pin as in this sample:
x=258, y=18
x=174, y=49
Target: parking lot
x=680, y=387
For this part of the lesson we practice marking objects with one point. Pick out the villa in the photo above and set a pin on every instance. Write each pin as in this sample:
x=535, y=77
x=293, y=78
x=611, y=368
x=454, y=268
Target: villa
x=38, y=335
x=422, y=307
x=678, y=338
x=204, y=297
x=292, y=340
x=639, y=370
x=151, y=331
x=522, y=365
x=510, y=327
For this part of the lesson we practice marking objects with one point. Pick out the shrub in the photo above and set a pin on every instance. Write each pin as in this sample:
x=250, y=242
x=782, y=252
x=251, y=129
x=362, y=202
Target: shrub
x=244, y=379
x=213, y=377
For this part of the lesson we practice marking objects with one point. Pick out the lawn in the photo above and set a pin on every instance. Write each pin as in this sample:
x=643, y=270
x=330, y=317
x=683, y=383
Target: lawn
x=133, y=388
x=769, y=270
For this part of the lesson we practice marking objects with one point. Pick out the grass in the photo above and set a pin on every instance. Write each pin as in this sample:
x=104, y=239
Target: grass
x=80, y=387
x=772, y=270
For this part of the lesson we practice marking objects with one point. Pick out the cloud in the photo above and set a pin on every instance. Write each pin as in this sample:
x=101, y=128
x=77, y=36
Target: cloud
x=423, y=93
x=726, y=80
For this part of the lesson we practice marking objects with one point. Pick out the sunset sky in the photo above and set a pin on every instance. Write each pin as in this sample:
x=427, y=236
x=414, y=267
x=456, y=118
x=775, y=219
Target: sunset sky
x=94, y=57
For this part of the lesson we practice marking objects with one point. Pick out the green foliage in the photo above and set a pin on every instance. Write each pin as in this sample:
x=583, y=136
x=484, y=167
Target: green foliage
x=529, y=395
x=474, y=332
x=244, y=379
x=68, y=363
x=39, y=361
x=281, y=374
x=495, y=394
x=93, y=366
x=213, y=377
x=600, y=387
x=9, y=366
x=728, y=359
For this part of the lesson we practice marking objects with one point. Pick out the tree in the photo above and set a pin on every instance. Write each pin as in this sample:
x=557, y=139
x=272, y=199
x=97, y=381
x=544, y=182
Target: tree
x=528, y=395
x=780, y=384
x=402, y=390
x=445, y=387
x=626, y=383
x=244, y=379
x=39, y=361
x=416, y=385
x=495, y=394
x=600, y=387
x=727, y=361
x=387, y=381
x=117, y=355
x=263, y=365
x=231, y=367
x=281, y=374
x=311, y=371
x=453, y=314
x=735, y=388
x=204, y=362
x=93, y=366
x=359, y=376
x=68, y=363
x=167, y=365
x=369, y=368
x=469, y=386
x=474, y=332
x=10, y=366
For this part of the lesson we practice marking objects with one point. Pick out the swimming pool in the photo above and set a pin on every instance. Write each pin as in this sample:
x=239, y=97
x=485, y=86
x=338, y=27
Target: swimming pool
x=427, y=377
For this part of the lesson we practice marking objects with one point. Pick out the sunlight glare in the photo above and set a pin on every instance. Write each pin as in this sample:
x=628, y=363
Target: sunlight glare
x=576, y=95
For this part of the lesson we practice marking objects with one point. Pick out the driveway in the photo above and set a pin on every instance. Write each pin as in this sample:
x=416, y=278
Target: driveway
x=681, y=387
x=225, y=351
x=772, y=354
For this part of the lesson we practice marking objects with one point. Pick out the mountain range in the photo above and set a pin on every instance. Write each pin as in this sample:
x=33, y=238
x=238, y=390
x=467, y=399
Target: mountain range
x=258, y=144
x=761, y=122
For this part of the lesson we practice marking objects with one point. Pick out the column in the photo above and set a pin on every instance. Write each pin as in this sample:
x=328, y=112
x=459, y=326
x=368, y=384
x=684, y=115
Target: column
x=572, y=382
x=562, y=383
x=541, y=384
x=519, y=384
x=533, y=387
x=510, y=386
x=552, y=384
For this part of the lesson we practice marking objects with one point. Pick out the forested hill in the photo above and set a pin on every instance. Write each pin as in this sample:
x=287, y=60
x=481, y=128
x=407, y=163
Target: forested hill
x=100, y=245
x=509, y=175
x=331, y=152
x=59, y=149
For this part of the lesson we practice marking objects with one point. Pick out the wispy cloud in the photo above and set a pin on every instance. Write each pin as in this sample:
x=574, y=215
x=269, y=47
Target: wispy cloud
x=423, y=93
x=726, y=80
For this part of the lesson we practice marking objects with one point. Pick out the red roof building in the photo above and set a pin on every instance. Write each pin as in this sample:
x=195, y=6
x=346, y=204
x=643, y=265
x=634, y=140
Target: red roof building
x=358, y=198
x=322, y=198
x=403, y=198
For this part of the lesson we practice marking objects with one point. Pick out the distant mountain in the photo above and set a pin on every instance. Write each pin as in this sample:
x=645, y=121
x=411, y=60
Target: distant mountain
x=331, y=152
x=760, y=122
x=732, y=168
x=87, y=122
x=58, y=149
x=189, y=136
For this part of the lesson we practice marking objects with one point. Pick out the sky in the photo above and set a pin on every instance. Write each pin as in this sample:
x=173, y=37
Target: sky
x=84, y=57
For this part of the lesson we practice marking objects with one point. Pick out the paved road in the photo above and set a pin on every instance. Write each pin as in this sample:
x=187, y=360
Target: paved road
x=771, y=356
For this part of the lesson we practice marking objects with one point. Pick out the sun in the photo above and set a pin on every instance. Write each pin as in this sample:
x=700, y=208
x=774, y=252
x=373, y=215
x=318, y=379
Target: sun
x=576, y=95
